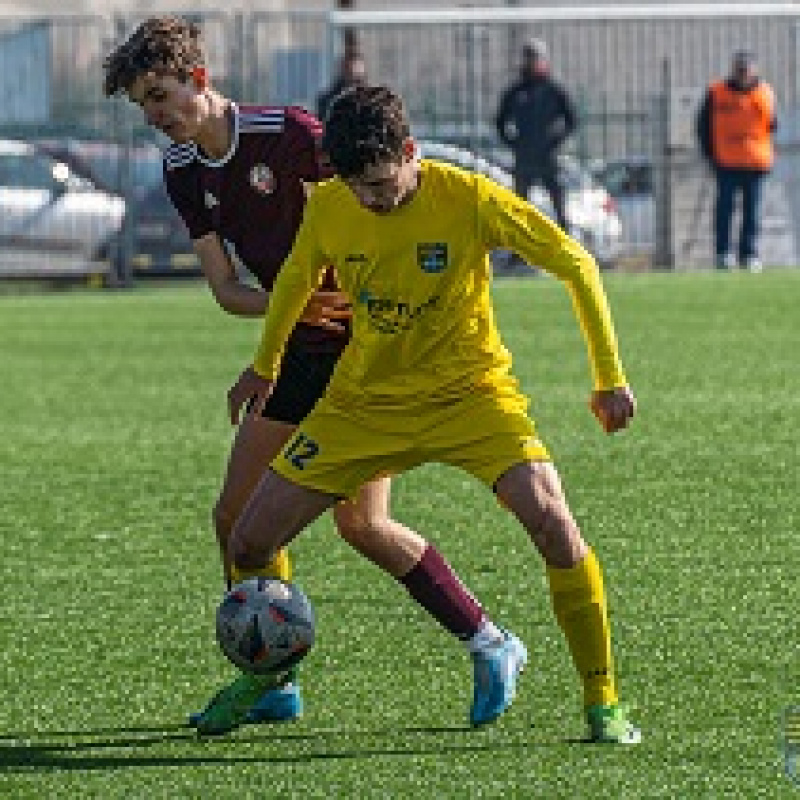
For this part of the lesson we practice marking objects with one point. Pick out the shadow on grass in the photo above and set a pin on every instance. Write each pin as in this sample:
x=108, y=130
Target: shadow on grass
x=47, y=750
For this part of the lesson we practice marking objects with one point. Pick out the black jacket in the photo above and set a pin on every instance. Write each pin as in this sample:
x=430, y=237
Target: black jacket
x=542, y=114
x=324, y=99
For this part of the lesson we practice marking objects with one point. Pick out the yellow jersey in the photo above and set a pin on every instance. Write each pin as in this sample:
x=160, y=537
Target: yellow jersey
x=419, y=279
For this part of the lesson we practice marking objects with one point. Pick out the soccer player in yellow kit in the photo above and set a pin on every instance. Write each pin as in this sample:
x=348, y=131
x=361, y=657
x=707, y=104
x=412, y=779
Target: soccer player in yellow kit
x=238, y=175
x=426, y=376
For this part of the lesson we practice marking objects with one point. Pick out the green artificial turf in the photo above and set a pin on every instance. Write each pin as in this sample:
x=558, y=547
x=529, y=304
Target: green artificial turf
x=114, y=435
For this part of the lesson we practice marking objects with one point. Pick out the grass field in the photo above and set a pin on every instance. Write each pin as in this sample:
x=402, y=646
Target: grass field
x=114, y=434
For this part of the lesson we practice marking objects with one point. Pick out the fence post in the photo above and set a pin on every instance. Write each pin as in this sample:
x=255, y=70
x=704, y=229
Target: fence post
x=664, y=255
x=587, y=122
x=123, y=267
x=236, y=55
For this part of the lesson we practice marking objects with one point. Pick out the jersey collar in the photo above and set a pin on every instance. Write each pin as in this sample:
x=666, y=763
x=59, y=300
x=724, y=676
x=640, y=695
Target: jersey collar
x=210, y=162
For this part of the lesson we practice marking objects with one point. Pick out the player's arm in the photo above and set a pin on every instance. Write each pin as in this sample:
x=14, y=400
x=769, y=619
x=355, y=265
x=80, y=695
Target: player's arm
x=297, y=280
x=325, y=309
x=512, y=223
x=230, y=292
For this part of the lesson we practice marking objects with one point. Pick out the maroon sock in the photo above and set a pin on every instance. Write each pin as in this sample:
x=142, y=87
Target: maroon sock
x=434, y=585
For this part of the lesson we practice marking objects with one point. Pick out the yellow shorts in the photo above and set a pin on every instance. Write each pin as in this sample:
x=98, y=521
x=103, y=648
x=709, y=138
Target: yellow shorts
x=336, y=450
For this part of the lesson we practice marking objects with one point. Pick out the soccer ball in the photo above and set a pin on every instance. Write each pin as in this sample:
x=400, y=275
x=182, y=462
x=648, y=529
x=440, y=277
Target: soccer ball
x=265, y=626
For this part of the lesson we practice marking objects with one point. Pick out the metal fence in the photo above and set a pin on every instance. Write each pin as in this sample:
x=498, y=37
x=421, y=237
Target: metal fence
x=636, y=73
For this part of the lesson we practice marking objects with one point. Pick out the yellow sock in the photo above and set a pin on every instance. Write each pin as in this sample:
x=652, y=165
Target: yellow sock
x=279, y=567
x=580, y=608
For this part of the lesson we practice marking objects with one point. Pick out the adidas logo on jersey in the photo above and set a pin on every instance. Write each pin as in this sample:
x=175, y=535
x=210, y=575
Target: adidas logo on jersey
x=211, y=201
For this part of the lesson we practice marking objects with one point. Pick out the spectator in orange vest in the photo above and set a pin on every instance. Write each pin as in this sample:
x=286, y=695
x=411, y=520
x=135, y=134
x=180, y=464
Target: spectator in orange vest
x=735, y=128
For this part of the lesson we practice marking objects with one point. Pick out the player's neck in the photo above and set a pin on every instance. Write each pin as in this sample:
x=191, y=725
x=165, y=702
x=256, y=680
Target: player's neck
x=216, y=133
x=413, y=187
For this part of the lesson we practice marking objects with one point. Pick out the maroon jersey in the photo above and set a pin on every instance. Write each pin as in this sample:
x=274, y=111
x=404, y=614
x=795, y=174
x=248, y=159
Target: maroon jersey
x=253, y=197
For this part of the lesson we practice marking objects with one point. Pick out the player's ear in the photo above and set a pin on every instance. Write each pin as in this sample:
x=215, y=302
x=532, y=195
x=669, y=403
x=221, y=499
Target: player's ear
x=409, y=148
x=200, y=77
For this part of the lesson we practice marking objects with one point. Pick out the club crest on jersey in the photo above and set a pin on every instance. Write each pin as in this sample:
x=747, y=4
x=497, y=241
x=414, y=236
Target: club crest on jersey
x=432, y=257
x=262, y=179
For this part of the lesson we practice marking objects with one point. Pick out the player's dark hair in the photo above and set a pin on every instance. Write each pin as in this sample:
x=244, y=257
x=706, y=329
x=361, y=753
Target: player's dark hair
x=161, y=45
x=365, y=125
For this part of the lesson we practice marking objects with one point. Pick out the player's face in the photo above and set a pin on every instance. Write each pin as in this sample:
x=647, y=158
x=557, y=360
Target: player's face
x=177, y=108
x=384, y=186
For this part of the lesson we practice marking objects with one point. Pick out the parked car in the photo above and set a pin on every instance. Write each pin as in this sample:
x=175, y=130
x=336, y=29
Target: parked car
x=590, y=209
x=53, y=221
x=153, y=238
x=630, y=182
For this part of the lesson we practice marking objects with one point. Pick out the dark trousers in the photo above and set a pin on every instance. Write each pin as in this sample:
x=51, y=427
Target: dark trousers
x=528, y=175
x=730, y=183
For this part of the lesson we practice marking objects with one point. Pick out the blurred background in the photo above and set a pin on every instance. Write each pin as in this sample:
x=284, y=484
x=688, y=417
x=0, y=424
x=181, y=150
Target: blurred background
x=80, y=175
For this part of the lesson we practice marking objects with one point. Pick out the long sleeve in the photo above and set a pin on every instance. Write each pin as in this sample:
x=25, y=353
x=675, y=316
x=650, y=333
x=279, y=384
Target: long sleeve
x=502, y=118
x=512, y=223
x=568, y=113
x=297, y=280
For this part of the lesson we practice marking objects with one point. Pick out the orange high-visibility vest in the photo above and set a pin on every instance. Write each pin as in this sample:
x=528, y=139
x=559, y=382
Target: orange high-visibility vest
x=741, y=136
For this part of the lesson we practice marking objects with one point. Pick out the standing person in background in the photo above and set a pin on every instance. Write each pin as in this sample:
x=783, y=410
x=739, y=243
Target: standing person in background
x=534, y=118
x=352, y=72
x=735, y=128
x=239, y=176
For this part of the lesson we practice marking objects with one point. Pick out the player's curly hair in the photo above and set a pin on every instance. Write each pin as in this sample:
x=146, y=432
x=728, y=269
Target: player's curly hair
x=364, y=126
x=162, y=45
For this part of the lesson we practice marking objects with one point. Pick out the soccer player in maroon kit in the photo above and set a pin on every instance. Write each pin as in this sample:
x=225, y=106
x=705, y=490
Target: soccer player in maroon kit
x=239, y=176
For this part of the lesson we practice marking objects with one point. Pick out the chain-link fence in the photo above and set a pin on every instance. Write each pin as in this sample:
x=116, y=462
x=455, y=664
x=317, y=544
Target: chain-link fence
x=636, y=74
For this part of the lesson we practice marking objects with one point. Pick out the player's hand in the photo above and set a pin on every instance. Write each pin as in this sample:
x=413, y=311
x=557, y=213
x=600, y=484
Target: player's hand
x=249, y=386
x=325, y=308
x=614, y=408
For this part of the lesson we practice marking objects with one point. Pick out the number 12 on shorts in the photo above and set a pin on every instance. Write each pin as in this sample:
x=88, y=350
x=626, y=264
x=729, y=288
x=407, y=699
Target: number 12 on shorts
x=300, y=450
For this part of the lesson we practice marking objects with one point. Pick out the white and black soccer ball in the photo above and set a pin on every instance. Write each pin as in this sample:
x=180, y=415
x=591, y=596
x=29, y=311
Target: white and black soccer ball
x=265, y=626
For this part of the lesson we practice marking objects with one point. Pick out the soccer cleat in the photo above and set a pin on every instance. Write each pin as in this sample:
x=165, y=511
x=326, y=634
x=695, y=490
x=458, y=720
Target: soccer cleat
x=496, y=672
x=231, y=705
x=282, y=704
x=610, y=724
x=753, y=263
x=278, y=705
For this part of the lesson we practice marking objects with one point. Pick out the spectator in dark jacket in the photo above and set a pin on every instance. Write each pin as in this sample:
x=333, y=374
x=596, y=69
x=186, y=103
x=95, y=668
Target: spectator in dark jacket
x=534, y=118
x=735, y=127
x=352, y=72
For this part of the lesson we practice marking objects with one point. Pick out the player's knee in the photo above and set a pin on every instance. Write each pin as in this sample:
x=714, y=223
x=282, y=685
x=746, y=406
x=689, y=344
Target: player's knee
x=354, y=526
x=540, y=506
x=530, y=501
